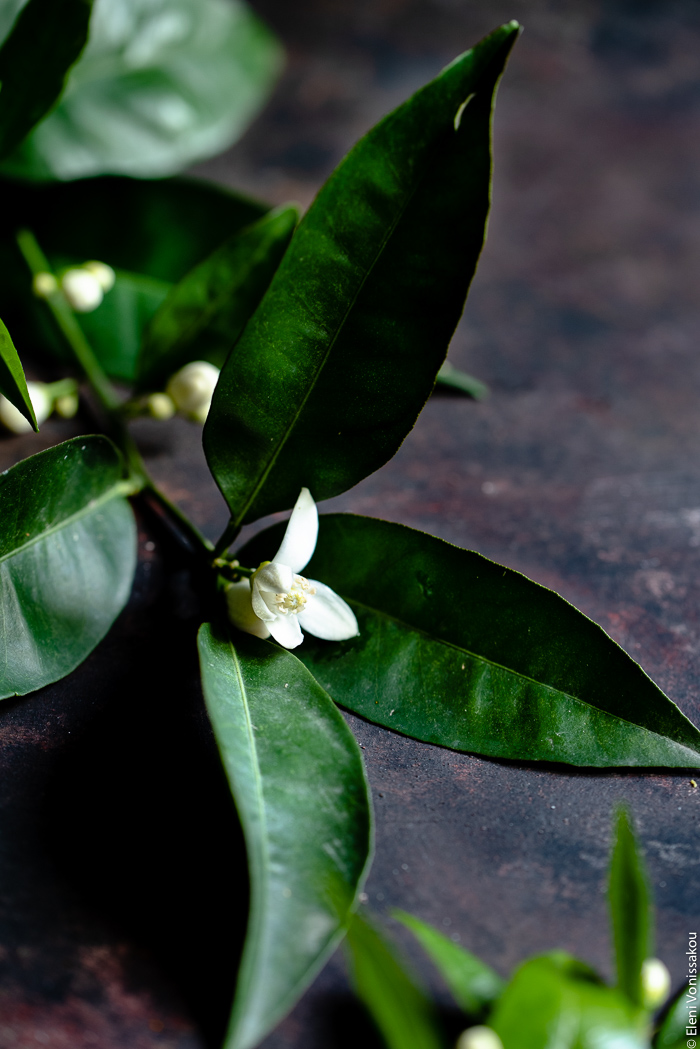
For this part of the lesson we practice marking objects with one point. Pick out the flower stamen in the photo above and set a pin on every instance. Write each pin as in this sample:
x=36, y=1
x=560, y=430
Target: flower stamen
x=294, y=600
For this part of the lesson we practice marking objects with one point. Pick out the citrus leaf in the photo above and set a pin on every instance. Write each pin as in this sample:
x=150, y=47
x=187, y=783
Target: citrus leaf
x=628, y=896
x=349, y=338
x=397, y=1005
x=160, y=228
x=555, y=1000
x=67, y=559
x=115, y=328
x=151, y=232
x=459, y=380
x=13, y=384
x=457, y=650
x=161, y=84
x=296, y=775
x=206, y=311
x=43, y=44
x=474, y=985
x=672, y=1033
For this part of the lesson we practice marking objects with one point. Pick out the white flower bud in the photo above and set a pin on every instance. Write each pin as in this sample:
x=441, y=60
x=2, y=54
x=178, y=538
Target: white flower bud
x=44, y=284
x=656, y=983
x=67, y=405
x=82, y=290
x=105, y=274
x=160, y=406
x=479, y=1038
x=41, y=399
x=192, y=389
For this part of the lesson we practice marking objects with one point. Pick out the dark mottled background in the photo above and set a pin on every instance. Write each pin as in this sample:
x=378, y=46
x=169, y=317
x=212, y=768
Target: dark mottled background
x=118, y=898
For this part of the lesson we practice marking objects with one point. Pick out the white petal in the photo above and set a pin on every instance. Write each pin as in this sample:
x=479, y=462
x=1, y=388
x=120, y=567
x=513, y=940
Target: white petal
x=259, y=605
x=327, y=616
x=300, y=538
x=286, y=631
x=240, y=610
x=275, y=578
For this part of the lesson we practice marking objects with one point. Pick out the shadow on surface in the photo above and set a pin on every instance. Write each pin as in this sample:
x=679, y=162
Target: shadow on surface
x=139, y=821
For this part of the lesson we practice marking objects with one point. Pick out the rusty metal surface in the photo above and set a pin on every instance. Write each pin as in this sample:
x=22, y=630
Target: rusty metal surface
x=118, y=901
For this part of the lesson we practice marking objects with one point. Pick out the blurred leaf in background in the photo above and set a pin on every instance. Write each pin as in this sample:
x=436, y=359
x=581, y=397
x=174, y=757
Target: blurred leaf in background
x=161, y=84
x=45, y=41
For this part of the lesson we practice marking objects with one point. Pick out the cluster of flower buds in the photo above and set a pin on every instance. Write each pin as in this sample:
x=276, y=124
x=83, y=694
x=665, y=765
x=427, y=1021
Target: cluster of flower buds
x=46, y=397
x=188, y=393
x=656, y=985
x=83, y=286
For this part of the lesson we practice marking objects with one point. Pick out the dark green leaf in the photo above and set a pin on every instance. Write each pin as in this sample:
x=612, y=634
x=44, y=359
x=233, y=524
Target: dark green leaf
x=556, y=1001
x=672, y=1033
x=160, y=85
x=458, y=380
x=296, y=775
x=149, y=229
x=67, y=558
x=349, y=338
x=13, y=385
x=628, y=895
x=398, y=1007
x=206, y=312
x=473, y=984
x=45, y=41
x=115, y=328
x=160, y=228
x=457, y=650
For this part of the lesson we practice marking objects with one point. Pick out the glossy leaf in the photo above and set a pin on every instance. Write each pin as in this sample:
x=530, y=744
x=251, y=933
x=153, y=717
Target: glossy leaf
x=672, y=1033
x=556, y=1002
x=398, y=1007
x=628, y=895
x=474, y=985
x=67, y=559
x=459, y=380
x=205, y=313
x=457, y=650
x=162, y=84
x=13, y=384
x=116, y=327
x=45, y=41
x=296, y=775
x=356, y=323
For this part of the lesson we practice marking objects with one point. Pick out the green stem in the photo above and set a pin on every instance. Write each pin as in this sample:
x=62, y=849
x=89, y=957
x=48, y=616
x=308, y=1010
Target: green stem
x=232, y=568
x=109, y=401
x=71, y=330
x=172, y=513
x=231, y=531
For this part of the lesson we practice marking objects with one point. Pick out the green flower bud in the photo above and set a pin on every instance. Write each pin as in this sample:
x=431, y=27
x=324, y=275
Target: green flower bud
x=44, y=284
x=67, y=405
x=160, y=406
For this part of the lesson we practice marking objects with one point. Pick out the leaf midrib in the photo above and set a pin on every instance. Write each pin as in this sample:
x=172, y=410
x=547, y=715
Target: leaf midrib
x=336, y=335
x=121, y=488
x=517, y=673
x=256, y=917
